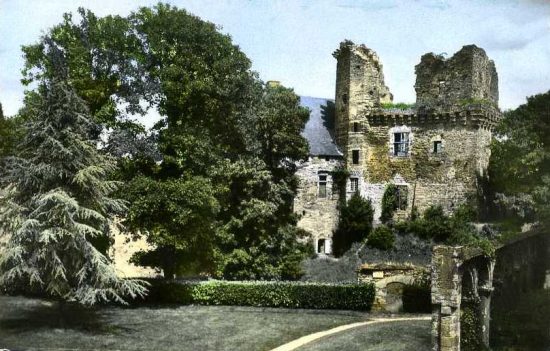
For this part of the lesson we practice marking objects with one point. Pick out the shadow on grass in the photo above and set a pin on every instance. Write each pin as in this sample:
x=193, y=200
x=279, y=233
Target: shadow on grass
x=53, y=316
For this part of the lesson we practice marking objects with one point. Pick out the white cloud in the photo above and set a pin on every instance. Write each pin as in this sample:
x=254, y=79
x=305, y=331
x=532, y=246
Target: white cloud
x=292, y=41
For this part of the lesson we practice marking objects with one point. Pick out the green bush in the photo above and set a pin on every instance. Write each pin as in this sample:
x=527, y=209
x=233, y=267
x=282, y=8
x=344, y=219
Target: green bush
x=397, y=105
x=382, y=238
x=354, y=225
x=434, y=224
x=265, y=294
x=389, y=203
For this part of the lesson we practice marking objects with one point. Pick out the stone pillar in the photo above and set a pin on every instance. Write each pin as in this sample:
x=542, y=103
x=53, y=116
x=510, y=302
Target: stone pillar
x=485, y=290
x=446, y=297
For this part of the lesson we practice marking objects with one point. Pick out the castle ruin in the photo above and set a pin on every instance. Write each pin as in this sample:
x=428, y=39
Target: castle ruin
x=434, y=152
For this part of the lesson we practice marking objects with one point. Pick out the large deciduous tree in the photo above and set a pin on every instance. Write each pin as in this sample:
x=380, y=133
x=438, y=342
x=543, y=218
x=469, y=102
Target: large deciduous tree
x=215, y=195
x=59, y=201
x=520, y=160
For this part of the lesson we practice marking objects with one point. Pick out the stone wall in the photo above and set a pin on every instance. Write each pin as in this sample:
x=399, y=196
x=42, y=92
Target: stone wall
x=447, y=178
x=458, y=101
x=468, y=75
x=318, y=215
x=359, y=87
x=389, y=281
x=489, y=286
x=521, y=272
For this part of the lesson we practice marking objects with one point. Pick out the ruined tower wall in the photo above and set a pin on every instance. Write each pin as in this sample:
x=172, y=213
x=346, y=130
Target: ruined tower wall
x=360, y=87
x=468, y=76
x=456, y=107
x=447, y=178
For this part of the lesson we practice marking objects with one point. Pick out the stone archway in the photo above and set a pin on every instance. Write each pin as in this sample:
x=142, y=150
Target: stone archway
x=389, y=292
x=459, y=272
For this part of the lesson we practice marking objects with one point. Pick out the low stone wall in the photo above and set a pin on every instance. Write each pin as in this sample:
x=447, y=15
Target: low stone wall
x=389, y=281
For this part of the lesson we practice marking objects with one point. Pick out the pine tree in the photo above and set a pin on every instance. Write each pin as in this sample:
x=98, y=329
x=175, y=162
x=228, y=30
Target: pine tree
x=59, y=201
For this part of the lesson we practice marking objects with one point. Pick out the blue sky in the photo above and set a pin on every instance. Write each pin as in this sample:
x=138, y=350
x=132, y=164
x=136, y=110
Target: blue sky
x=292, y=41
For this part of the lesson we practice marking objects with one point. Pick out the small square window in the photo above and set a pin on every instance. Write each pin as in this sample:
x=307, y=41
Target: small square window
x=355, y=157
x=354, y=184
x=438, y=147
x=322, y=185
x=355, y=127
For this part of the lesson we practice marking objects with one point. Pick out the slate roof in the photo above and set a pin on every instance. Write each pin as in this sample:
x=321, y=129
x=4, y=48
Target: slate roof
x=317, y=130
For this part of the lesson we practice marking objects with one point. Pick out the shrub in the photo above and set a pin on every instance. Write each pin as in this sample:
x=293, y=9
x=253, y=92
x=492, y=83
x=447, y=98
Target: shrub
x=434, y=224
x=354, y=225
x=265, y=294
x=389, y=203
x=382, y=238
x=397, y=105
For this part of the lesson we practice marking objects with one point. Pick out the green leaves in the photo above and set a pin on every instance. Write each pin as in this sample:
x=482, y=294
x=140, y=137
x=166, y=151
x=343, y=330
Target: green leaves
x=58, y=204
x=520, y=160
x=354, y=225
x=267, y=294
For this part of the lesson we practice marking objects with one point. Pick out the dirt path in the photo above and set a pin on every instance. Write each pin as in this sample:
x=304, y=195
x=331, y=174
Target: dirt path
x=293, y=345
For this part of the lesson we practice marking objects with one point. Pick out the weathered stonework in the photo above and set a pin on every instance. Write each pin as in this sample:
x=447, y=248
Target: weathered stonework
x=446, y=139
x=389, y=281
x=466, y=276
x=318, y=214
x=467, y=76
x=435, y=153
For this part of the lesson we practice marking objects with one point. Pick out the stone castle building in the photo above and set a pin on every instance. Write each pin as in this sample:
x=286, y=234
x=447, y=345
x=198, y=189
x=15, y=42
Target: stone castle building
x=434, y=152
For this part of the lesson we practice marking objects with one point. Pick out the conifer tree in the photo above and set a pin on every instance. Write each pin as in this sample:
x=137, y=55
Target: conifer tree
x=354, y=225
x=59, y=201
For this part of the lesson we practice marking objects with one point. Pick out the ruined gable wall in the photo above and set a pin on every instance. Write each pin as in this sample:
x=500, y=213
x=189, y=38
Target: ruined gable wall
x=469, y=75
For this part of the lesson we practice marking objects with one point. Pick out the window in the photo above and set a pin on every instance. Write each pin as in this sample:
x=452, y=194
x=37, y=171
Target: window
x=401, y=196
x=355, y=157
x=438, y=147
x=400, y=144
x=322, y=185
x=321, y=246
x=355, y=127
x=354, y=184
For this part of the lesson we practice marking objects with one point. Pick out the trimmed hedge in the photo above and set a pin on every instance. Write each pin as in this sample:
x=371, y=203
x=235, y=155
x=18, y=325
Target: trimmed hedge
x=264, y=294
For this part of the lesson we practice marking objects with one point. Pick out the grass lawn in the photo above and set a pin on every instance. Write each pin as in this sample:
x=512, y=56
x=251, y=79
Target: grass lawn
x=34, y=324
x=394, y=336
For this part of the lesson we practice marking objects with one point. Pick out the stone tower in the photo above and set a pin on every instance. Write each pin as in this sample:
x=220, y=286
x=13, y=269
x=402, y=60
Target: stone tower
x=433, y=152
x=360, y=87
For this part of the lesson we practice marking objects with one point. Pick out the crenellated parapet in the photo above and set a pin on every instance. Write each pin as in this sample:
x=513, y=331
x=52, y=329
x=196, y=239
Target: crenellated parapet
x=474, y=116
